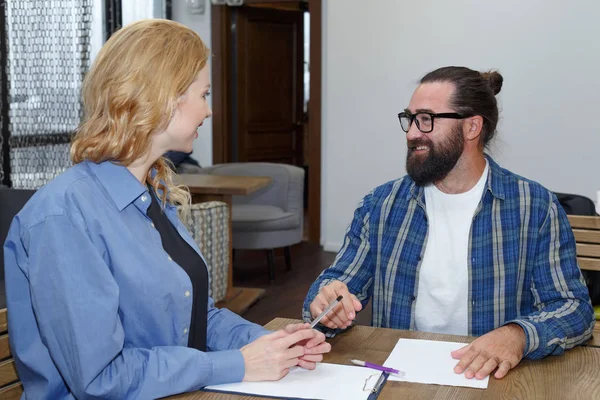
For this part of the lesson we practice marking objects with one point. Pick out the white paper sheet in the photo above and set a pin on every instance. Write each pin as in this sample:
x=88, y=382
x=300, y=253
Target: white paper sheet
x=428, y=361
x=326, y=382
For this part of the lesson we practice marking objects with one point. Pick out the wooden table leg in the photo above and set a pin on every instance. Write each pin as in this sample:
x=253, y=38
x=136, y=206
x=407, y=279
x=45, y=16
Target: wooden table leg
x=237, y=299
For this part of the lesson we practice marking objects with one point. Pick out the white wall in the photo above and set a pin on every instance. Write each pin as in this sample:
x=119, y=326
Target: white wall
x=374, y=54
x=97, y=28
x=200, y=23
x=132, y=11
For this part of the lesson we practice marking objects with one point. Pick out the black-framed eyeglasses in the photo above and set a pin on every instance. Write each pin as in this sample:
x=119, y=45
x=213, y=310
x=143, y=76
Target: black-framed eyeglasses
x=424, y=120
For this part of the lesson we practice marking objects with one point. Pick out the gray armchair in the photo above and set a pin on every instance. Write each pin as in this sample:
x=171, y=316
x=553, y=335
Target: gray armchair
x=272, y=217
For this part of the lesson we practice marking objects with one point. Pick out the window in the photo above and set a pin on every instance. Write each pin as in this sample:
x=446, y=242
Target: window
x=47, y=53
x=46, y=49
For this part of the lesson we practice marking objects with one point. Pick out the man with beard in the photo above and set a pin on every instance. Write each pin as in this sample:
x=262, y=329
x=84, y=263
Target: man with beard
x=460, y=245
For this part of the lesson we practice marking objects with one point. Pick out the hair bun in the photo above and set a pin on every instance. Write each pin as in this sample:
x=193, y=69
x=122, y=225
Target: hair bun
x=494, y=79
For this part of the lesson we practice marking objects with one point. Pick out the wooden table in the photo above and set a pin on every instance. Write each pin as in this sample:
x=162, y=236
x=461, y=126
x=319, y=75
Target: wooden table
x=221, y=188
x=573, y=375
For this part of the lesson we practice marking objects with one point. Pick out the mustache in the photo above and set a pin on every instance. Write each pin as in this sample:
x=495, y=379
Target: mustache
x=413, y=144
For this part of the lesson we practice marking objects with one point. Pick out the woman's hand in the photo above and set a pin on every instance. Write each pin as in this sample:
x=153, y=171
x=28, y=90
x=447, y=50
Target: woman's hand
x=313, y=348
x=270, y=357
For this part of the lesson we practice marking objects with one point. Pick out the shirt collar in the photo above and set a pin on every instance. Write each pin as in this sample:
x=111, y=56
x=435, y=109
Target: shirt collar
x=495, y=182
x=496, y=178
x=119, y=182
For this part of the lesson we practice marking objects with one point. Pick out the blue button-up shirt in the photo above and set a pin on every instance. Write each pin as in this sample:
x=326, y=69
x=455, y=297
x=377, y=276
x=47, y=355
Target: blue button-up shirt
x=96, y=307
x=522, y=262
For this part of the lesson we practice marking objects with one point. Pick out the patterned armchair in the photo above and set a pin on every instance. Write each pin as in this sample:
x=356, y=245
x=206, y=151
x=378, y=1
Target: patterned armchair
x=209, y=225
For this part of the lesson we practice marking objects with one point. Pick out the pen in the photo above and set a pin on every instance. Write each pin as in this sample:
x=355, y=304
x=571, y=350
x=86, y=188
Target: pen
x=329, y=308
x=377, y=367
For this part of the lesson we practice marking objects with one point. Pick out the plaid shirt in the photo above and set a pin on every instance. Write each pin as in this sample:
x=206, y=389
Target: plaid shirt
x=522, y=265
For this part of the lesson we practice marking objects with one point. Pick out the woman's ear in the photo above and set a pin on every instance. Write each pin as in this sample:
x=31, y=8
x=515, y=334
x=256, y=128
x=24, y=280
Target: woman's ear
x=172, y=108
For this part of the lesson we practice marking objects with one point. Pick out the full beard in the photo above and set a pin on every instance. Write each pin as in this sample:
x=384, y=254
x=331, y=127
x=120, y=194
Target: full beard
x=437, y=163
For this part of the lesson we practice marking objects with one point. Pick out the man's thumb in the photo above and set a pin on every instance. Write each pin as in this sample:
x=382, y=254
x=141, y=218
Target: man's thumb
x=356, y=303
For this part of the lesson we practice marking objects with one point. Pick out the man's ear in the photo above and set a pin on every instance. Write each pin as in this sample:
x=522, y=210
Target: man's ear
x=472, y=127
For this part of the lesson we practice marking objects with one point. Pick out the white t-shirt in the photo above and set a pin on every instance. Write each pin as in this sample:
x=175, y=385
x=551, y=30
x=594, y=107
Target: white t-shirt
x=443, y=291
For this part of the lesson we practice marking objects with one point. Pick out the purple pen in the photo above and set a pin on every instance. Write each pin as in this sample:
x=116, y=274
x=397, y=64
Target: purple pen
x=377, y=367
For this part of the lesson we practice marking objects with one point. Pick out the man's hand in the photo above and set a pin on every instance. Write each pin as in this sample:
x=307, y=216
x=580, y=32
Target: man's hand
x=501, y=348
x=342, y=314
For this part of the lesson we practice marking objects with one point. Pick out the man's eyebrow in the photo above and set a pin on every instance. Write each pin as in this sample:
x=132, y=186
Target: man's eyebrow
x=419, y=110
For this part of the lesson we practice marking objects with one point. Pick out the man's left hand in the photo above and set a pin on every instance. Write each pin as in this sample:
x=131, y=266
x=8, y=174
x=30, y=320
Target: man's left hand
x=501, y=348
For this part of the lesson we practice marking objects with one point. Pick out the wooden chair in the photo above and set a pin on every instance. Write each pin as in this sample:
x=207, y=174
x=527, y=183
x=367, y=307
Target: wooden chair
x=587, y=236
x=10, y=387
x=11, y=202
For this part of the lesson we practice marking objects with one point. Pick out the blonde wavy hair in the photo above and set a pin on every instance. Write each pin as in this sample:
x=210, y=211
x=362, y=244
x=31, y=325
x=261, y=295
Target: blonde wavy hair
x=131, y=92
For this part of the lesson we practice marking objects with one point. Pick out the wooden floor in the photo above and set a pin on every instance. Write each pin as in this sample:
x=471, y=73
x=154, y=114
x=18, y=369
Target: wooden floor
x=283, y=298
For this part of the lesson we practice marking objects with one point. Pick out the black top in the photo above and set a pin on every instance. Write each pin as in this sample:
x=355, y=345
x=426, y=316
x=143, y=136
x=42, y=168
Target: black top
x=188, y=259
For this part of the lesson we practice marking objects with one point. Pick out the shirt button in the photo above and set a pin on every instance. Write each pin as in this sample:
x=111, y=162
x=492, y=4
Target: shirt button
x=185, y=331
x=169, y=257
x=144, y=197
x=187, y=293
x=152, y=224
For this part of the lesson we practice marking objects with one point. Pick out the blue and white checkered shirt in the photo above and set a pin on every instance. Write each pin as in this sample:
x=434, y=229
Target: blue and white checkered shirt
x=522, y=265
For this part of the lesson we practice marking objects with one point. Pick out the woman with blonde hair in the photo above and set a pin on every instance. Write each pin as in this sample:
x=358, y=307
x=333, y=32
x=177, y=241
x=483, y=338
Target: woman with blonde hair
x=106, y=290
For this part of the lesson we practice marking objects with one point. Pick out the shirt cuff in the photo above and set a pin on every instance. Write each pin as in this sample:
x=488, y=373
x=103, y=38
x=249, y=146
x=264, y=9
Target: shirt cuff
x=259, y=333
x=227, y=366
x=532, y=339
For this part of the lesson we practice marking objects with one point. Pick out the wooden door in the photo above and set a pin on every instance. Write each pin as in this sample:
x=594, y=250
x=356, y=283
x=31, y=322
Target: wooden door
x=268, y=94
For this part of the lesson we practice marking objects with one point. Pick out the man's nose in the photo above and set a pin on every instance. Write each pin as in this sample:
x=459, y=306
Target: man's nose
x=413, y=132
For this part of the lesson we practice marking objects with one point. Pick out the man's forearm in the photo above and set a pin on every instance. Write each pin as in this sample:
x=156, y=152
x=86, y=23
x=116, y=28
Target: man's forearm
x=556, y=328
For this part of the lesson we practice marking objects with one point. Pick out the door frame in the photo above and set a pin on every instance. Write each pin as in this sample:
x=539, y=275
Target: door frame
x=221, y=70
